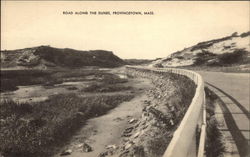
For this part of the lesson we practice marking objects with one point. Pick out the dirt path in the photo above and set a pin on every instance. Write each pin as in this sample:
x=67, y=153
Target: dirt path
x=107, y=129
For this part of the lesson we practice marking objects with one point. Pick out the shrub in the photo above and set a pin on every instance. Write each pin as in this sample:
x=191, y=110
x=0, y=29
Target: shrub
x=231, y=58
x=214, y=145
x=245, y=34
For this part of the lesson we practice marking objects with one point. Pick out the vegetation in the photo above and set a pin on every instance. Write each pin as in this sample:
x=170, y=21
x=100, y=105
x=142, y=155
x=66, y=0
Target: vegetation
x=203, y=57
x=49, y=56
x=237, y=56
x=108, y=83
x=138, y=61
x=106, y=88
x=33, y=129
x=206, y=44
x=214, y=145
x=245, y=34
x=12, y=78
x=36, y=129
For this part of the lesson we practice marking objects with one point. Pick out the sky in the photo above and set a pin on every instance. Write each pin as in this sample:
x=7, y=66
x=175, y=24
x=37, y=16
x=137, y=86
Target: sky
x=174, y=25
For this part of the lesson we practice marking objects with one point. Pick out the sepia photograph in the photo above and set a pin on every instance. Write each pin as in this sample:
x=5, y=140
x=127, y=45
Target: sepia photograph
x=125, y=79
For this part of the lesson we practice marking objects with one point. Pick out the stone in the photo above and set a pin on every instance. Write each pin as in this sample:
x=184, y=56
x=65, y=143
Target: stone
x=171, y=122
x=128, y=130
x=144, y=127
x=136, y=134
x=137, y=124
x=103, y=154
x=127, y=146
x=112, y=146
x=118, y=119
x=86, y=148
x=66, y=152
x=132, y=120
x=126, y=135
x=79, y=145
x=123, y=154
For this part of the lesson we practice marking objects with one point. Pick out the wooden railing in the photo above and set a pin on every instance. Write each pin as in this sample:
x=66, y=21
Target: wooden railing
x=184, y=141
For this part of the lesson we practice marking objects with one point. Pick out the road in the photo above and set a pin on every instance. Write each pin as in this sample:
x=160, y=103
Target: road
x=233, y=90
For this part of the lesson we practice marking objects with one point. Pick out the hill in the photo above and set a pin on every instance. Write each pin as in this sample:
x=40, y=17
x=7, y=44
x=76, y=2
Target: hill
x=227, y=51
x=44, y=57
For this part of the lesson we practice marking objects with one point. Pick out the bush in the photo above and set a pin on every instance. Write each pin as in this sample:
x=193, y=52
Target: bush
x=231, y=58
x=214, y=145
x=245, y=34
x=203, y=57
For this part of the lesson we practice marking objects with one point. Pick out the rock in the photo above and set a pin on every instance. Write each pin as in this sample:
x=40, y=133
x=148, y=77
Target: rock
x=128, y=130
x=113, y=146
x=136, y=134
x=144, y=123
x=86, y=148
x=123, y=154
x=137, y=124
x=66, y=152
x=103, y=154
x=79, y=114
x=118, y=119
x=144, y=127
x=127, y=146
x=147, y=102
x=125, y=140
x=132, y=120
x=126, y=135
x=2, y=121
x=79, y=145
x=171, y=122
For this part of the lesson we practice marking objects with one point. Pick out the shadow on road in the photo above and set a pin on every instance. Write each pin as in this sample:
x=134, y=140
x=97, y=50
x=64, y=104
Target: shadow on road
x=240, y=141
x=244, y=110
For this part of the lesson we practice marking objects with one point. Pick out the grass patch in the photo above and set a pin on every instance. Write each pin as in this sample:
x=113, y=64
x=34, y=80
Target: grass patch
x=108, y=83
x=13, y=78
x=105, y=88
x=36, y=129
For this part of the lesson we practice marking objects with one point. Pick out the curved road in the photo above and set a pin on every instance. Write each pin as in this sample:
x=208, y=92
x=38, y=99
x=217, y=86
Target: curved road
x=233, y=90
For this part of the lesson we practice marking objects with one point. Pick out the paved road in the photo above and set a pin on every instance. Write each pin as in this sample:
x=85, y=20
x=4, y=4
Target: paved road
x=233, y=90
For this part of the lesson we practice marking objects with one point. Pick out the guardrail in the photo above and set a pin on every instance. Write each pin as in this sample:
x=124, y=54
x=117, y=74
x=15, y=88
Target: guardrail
x=183, y=143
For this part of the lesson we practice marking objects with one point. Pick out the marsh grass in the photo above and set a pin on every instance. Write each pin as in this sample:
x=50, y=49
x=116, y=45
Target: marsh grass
x=106, y=88
x=108, y=83
x=36, y=129
x=12, y=78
